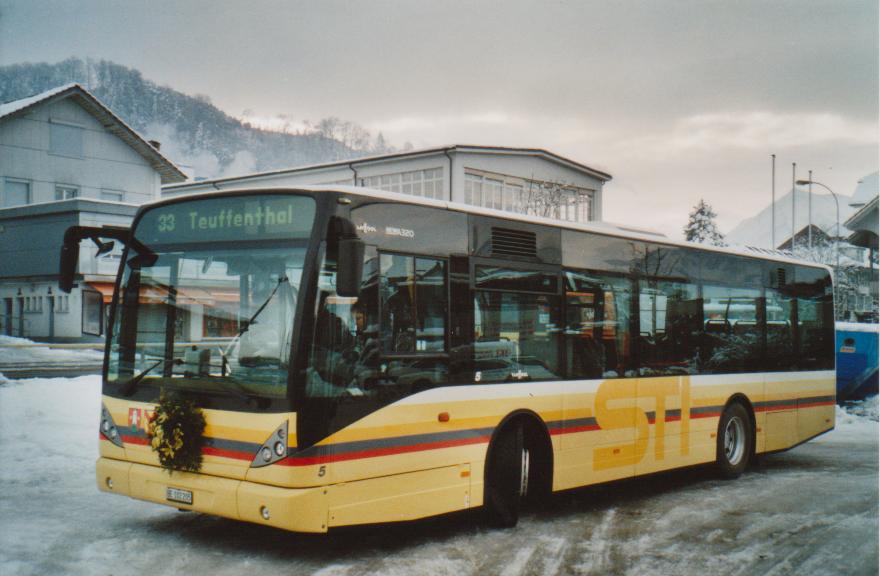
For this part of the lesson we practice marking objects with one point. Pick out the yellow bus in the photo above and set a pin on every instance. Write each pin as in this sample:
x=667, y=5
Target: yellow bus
x=365, y=357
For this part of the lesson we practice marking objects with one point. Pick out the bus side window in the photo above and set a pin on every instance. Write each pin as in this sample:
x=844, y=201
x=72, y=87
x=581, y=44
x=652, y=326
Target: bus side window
x=597, y=325
x=413, y=304
x=780, y=332
x=815, y=318
x=732, y=330
x=516, y=337
x=670, y=327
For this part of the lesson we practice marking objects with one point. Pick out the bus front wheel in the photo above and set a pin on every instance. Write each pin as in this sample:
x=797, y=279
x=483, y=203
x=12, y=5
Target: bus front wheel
x=734, y=444
x=507, y=477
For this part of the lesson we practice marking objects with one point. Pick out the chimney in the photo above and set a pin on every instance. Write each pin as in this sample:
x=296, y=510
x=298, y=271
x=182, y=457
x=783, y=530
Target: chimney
x=155, y=144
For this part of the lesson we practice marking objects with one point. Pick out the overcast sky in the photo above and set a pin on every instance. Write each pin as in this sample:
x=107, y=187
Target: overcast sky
x=677, y=100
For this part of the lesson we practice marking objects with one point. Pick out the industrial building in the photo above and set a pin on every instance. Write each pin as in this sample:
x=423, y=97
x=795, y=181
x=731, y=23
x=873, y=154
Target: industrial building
x=524, y=180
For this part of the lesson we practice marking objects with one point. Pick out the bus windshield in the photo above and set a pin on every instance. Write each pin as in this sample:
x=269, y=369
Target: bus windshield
x=210, y=307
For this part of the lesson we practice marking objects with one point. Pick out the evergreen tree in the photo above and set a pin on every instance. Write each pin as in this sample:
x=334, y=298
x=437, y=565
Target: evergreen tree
x=701, y=226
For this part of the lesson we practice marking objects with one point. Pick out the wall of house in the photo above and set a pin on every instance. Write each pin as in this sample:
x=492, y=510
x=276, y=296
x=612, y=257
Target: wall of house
x=60, y=145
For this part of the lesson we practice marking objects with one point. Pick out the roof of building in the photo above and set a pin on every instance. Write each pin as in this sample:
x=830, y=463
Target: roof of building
x=860, y=222
x=167, y=170
x=89, y=205
x=861, y=216
x=536, y=152
x=803, y=233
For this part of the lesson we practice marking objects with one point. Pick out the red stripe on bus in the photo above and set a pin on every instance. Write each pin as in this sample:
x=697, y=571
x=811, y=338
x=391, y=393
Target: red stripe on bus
x=321, y=459
x=705, y=415
x=139, y=440
x=777, y=407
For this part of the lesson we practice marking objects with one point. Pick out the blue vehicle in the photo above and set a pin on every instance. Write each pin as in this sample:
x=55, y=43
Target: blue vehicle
x=856, y=346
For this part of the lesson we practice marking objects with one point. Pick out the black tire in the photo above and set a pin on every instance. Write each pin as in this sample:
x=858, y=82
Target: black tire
x=506, y=481
x=734, y=442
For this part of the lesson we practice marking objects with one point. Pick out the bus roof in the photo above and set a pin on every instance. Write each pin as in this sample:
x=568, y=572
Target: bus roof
x=604, y=228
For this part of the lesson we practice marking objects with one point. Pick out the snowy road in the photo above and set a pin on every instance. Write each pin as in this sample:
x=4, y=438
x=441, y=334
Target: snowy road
x=813, y=510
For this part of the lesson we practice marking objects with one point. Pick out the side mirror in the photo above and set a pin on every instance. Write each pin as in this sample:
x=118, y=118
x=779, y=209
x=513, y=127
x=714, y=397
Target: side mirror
x=70, y=249
x=349, y=266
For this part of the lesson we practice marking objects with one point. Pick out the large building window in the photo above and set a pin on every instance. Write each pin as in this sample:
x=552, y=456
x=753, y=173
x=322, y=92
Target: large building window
x=16, y=193
x=425, y=183
x=532, y=197
x=66, y=139
x=65, y=192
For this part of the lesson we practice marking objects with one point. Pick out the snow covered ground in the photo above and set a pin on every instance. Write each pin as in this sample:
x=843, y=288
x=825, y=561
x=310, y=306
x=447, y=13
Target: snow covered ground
x=22, y=350
x=23, y=357
x=812, y=510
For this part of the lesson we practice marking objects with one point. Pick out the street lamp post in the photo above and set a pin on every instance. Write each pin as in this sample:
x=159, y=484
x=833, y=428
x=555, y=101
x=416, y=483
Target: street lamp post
x=810, y=182
x=810, y=211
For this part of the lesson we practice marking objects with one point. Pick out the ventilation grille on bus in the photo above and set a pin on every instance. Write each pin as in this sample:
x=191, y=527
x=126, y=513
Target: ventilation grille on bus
x=506, y=242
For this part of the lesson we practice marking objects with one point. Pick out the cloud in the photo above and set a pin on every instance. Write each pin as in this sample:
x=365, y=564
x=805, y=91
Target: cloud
x=760, y=130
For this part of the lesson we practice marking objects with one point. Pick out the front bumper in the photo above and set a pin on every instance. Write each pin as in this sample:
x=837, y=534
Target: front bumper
x=296, y=509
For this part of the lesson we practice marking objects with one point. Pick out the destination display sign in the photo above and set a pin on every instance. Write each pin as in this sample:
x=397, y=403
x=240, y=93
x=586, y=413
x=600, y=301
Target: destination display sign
x=229, y=218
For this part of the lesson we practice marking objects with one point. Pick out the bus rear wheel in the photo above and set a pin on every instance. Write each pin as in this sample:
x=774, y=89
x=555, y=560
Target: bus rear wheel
x=734, y=443
x=507, y=477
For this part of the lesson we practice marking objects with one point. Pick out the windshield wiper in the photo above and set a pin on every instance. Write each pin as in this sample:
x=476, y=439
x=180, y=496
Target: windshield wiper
x=129, y=386
x=250, y=321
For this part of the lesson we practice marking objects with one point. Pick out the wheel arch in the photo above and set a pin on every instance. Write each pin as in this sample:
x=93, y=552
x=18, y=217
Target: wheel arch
x=537, y=427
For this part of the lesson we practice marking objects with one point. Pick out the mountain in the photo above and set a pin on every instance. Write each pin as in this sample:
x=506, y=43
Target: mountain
x=202, y=139
x=755, y=231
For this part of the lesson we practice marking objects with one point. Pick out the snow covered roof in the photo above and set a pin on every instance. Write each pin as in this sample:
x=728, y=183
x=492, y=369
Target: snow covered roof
x=864, y=225
x=167, y=170
x=858, y=219
x=536, y=152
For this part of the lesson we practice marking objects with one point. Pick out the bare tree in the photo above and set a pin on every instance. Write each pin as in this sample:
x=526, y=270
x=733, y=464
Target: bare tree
x=848, y=274
x=553, y=199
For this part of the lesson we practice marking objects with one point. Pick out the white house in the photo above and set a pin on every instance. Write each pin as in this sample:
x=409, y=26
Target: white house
x=65, y=159
x=527, y=180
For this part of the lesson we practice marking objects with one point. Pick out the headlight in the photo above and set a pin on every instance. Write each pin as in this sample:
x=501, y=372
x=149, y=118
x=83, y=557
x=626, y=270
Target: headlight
x=273, y=450
x=108, y=427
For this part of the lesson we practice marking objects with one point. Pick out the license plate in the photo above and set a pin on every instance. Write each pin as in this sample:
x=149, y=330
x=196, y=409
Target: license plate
x=178, y=495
